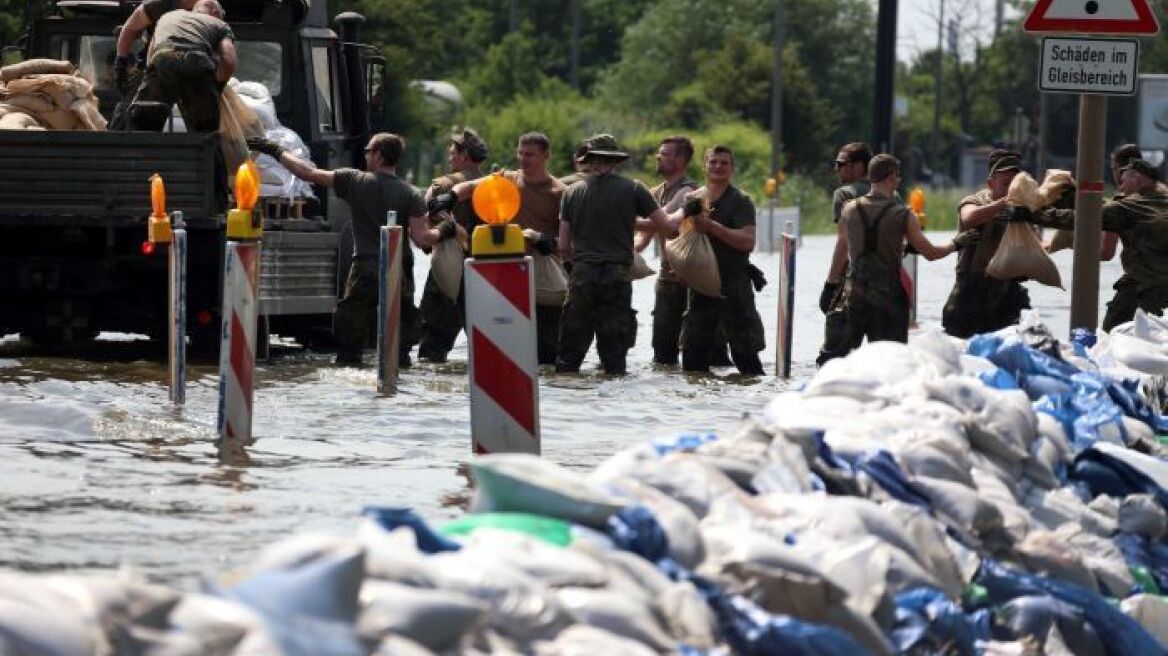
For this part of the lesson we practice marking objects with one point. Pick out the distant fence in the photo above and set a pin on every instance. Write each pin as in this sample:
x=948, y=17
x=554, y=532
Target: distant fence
x=772, y=222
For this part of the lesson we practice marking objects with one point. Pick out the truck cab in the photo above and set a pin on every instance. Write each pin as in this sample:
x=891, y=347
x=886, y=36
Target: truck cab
x=71, y=251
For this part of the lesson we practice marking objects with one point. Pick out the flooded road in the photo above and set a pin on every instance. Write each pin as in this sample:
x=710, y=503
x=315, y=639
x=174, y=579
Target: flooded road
x=97, y=468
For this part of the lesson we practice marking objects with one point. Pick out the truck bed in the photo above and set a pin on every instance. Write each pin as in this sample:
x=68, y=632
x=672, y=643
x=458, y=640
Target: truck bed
x=103, y=178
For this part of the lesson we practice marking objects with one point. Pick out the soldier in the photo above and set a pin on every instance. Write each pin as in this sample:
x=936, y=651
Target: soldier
x=851, y=165
x=191, y=58
x=443, y=318
x=370, y=194
x=142, y=19
x=673, y=156
x=597, y=220
x=579, y=168
x=539, y=215
x=1139, y=216
x=873, y=229
x=730, y=226
x=979, y=302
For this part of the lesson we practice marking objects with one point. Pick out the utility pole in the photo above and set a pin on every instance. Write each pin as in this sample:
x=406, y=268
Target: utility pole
x=777, y=91
x=574, y=46
x=935, y=141
x=885, y=76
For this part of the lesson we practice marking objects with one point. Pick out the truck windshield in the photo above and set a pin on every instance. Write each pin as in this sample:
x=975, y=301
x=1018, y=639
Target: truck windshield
x=259, y=61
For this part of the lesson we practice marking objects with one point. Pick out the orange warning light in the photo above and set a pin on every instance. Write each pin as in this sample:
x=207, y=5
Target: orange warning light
x=247, y=189
x=496, y=200
x=916, y=200
x=157, y=196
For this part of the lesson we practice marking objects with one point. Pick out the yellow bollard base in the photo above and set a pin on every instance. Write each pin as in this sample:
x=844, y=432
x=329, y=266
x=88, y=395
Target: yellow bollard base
x=245, y=224
x=158, y=230
x=497, y=241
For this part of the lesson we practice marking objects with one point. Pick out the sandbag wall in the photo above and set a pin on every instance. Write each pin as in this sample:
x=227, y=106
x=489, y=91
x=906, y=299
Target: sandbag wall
x=46, y=94
x=1001, y=496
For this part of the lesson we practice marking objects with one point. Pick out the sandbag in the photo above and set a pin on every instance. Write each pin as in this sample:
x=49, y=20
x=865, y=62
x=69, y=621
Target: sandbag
x=1151, y=611
x=18, y=121
x=436, y=619
x=585, y=640
x=527, y=483
x=617, y=614
x=446, y=264
x=1142, y=514
x=551, y=280
x=257, y=97
x=640, y=268
x=1020, y=256
x=1050, y=192
x=692, y=259
x=1023, y=191
x=236, y=124
x=35, y=67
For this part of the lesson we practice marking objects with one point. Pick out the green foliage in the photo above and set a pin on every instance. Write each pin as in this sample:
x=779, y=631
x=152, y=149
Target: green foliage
x=512, y=67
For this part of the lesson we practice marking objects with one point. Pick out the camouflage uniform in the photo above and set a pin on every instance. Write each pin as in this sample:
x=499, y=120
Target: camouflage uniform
x=1141, y=221
x=442, y=318
x=601, y=212
x=734, y=311
x=979, y=302
x=669, y=305
x=181, y=67
x=835, y=324
x=875, y=302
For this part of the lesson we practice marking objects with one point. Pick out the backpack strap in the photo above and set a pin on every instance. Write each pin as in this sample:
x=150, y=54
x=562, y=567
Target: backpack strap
x=871, y=228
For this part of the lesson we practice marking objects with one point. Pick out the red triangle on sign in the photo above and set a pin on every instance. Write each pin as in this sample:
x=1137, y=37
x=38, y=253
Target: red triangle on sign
x=1092, y=17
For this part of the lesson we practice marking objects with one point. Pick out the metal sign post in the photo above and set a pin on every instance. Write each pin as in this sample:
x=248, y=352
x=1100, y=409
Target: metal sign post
x=1088, y=212
x=177, y=311
x=389, y=290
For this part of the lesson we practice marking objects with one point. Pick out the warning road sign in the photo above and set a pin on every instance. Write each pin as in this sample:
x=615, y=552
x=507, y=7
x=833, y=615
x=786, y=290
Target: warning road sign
x=1092, y=17
x=1106, y=66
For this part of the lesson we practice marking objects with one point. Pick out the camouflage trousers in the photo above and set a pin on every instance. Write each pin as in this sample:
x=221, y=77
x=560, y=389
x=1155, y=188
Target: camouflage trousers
x=668, y=310
x=737, y=316
x=881, y=319
x=186, y=78
x=1129, y=297
x=355, y=317
x=835, y=330
x=982, y=304
x=599, y=305
x=441, y=319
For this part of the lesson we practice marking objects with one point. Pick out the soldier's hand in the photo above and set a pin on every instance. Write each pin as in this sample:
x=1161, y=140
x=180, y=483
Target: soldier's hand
x=757, y=277
x=966, y=238
x=692, y=207
x=702, y=224
x=265, y=146
x=1020, y=213
x=830, y=289
x=122, y=71
x=545, y=244
x=441, y=202
x=447, y=229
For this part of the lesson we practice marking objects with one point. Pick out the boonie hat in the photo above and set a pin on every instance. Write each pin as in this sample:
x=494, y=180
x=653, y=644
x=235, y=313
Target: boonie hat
x=471, y=143
x=602, y=146
x=1143, y=166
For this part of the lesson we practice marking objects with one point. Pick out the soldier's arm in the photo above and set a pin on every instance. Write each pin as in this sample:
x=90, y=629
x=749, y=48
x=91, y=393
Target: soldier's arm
x=565, y=241
x=740, y=239
x=306, y=170
x=921, y=243
x=1107, y=246
x=643, y=241
x=227, y=60
x=839, y=257
x=974, y=216
x=134, y=27
x=421, y=233
x=462, y=190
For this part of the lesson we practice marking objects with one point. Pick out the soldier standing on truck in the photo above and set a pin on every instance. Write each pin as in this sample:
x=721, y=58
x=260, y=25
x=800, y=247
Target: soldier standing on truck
x=190, y=60
x=142, y=20
x=370, y=194
x=442, y=318
x=539, y=216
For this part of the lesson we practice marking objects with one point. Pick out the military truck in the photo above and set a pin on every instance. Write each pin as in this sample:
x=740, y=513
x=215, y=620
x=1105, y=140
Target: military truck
x=73, y=204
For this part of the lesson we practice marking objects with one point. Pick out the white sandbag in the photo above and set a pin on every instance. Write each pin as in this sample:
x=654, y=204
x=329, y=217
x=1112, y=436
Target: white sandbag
x=688, y=479
x=278, y=180
x=687, y=616
x=257, y=97
x=527, y=483
x=1151, y=611
x=1046, y=554
x=1042, y=465
x=929, y=538
x=1053, y=508
x=788, y=469
x=395, y=645
x=436, y=619
x=1052, y=430
x=584, y=640
x=801, y=416
x=692, y=258
x=999, y=422
x=875, y=370
x=1139, y=354
x=1000, y=493
x=616, y=614
x=394, y=555
x=961, y=506
x=555, y=566
x=40, y=622
x=739, y=460
x=446, y=265
x=676, y=519
x=551, y=280
x=940, y=346
x=1102, y=557
x=928, y=460
x=640, y=268
x=213, y=625
x=1142, y=514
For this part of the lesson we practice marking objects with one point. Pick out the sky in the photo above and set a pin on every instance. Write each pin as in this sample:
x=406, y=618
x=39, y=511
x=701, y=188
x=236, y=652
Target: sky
x=916, y=25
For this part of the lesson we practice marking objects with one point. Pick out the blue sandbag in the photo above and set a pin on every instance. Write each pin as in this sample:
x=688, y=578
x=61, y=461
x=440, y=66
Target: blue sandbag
x=880, y=466
x=1123, y=635
x=1017, y=358
x=998, y=379
x=428, y=540
x=1130, y=479
x=1035, y=615
x=636, y=529
x=1139, y=551
x=927, y=618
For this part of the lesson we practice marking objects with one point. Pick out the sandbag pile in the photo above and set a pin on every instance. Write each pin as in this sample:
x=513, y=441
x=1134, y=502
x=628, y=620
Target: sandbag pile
x=46, y=94
x=1004, y=495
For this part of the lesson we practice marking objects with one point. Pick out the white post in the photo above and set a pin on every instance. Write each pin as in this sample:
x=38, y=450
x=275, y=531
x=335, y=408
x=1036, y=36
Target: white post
x=237, y=342
x=389, y=285
x=177, y=311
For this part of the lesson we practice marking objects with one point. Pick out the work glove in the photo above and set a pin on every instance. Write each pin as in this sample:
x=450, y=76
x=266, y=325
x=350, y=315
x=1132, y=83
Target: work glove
x=830, y=289
x=265, y=146
x=541, y=242
x=441, y=202
x=757, y=278
x=966, y=238
x=122, y=71
x=692, y=207
x=1020, y=213
x=447, y=229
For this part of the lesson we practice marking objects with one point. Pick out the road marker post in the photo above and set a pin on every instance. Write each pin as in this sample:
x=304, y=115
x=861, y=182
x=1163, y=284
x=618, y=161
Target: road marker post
x=389, y=297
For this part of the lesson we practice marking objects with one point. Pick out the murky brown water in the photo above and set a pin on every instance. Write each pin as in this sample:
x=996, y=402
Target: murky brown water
x=99, y=469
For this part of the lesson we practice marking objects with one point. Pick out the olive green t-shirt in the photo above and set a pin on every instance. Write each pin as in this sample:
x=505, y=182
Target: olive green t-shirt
x=370, y=196
x=601, y=211
x=845, y=193
x=975, y=259
x=539, y=203
x=734, y=210
x=189, y=32
x=463, y=210
x=154, y=9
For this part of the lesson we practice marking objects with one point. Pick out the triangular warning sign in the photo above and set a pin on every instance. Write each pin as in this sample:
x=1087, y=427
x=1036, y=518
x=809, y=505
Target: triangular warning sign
x=1092, y=17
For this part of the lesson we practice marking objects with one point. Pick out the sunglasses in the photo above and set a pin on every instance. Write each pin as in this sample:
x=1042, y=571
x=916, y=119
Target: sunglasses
x=839, y=164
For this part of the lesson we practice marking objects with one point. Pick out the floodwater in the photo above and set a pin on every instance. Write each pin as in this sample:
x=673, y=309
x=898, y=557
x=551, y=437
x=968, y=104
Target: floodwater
x=99, y=470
